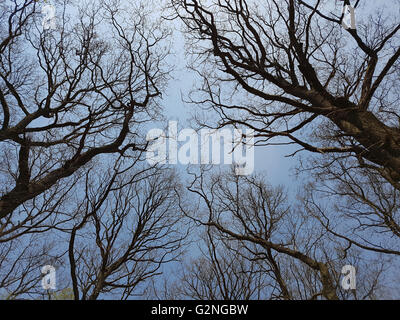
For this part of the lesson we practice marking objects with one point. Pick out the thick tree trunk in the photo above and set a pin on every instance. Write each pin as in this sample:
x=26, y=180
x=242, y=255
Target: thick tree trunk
x=381, y=143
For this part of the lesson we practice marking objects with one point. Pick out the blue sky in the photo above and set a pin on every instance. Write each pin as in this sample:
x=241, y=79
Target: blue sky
x=271, y=159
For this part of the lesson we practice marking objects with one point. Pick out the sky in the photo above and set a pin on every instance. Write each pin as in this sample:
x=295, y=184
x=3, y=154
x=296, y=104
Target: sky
x=270, y=160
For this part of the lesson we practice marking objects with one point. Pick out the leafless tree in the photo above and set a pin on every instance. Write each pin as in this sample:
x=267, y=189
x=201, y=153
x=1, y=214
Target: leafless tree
x=127, y=226
x=71, y=94
x=74, y=101
x=21, y=261
x=220, y=272
x=362, y=210
x=289, y=70
x=75, y=193
x=301, y=259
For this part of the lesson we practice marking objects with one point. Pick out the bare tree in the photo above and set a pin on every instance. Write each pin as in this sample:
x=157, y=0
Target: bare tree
x=362, y=210
x=288, y=70
x=71, y=94
x=299, y=257
x=220, y=272
x=126, y=228
x=75, y=100
x=21, y=262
